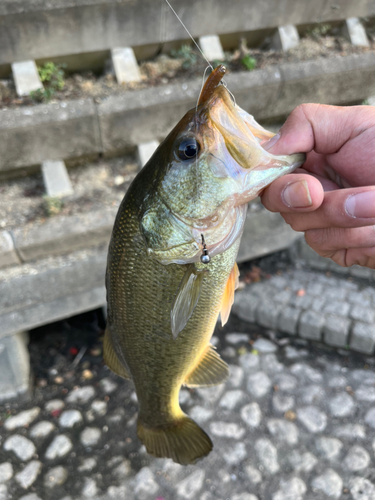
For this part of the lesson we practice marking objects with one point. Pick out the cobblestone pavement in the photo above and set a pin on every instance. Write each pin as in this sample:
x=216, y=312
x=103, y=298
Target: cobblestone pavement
x=293, y=422
x=336, y=310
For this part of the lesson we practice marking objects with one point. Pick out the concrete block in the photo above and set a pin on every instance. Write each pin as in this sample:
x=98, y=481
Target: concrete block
x=125, y=65
x=268, y=314
x=355, y=32
x=56, y=179
x=245, y=306
x=285, y=38
x=64, y=234
x=51, y=289
x=15, y=367
x=336, y=331
x=8, y=254
x=55, y=131
x=38, y=29
x=363, y=338
x=365, y=314
x=288, y=320
x=311, y=325
x=26, y=77
x=264, y=233
x=211, y=47
x=145, y=150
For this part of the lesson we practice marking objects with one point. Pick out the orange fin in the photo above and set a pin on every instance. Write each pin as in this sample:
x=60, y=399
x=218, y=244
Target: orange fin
x=211, y=370
x=186, y=299
x=182, y=440
x=111, y=359
x=228, y=297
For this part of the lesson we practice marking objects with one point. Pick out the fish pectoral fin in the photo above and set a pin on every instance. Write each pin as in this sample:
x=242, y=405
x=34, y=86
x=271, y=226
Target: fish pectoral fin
x=211, y=370
x=111, y=359
x=186, y=299
x=228, y=297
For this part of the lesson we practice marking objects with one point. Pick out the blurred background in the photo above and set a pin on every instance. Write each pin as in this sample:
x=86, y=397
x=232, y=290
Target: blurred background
x=88, y=89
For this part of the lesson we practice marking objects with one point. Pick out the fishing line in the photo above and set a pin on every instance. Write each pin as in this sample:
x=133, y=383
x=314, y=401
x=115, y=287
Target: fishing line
x=188, y=32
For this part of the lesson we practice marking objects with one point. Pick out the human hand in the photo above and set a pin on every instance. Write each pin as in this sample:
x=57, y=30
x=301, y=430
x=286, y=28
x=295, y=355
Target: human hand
x=332, y=197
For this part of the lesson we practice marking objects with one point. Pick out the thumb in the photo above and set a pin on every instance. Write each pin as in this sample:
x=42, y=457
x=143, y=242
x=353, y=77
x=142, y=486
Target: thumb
x=296, y=135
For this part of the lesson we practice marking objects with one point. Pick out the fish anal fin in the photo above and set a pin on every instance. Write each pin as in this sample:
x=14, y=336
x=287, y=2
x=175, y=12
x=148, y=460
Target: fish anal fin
x=211, y=370
x=228, y=297
x=182, y=440
x=111, y=359
x=186, y=299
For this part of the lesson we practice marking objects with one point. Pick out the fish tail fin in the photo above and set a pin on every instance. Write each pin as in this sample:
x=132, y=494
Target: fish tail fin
x=182, y=440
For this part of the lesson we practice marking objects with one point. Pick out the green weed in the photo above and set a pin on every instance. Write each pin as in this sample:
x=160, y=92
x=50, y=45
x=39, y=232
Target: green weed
x=52, y=205
x=186, y=53
x=52, y=77
x=249, y=62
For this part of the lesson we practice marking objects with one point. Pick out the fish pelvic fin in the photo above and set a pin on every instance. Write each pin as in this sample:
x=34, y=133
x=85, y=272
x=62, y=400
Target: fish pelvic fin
x=182, y=440
x=186, y=299
x=111, y=359
x=228, y=297
x=211, y=370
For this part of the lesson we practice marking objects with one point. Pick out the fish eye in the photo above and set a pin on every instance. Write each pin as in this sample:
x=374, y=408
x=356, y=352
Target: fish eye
x=188, y=149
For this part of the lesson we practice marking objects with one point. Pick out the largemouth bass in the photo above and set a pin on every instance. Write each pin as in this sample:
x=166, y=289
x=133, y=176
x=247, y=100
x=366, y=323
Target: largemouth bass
x=172, y=262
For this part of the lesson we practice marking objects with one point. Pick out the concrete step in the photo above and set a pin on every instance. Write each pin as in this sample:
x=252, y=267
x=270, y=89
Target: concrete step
x=109, y=23
x=72, y=129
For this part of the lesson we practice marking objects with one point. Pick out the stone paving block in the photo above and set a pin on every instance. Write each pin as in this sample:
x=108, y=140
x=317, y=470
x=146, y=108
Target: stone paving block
x=8, y=254
x=365, y=314
x=245, y=306
x=363, y=338
x=211, y=47
x=15, y=367
x=26, y=77
x=336, y=307
x=354, y=31
x=268, y=314
x=125, y=65
x=145, y=151
x=285, y=38
x=288, y=320
x=361, y=272
x=336, y=330
x=56, y=179
x=311, y=325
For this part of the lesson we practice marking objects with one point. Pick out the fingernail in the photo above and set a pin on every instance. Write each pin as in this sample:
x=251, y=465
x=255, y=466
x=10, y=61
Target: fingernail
x=297, y=195
x=271, y=142
x=361, y=205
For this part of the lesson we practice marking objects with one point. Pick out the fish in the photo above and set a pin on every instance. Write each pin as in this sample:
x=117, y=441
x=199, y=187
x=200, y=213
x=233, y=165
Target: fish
x=171, y=266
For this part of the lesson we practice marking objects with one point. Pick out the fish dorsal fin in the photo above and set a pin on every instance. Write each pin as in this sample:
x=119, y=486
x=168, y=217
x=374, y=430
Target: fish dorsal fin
x=228, y=297
x=186, y=299
x=111, y=359
x=211, y=370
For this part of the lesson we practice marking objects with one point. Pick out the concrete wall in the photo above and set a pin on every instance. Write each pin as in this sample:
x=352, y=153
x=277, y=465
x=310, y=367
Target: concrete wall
x=38, y=29
x=67, y=130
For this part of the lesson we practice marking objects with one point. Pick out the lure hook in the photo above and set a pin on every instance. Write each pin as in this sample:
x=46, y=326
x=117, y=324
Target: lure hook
x=205, y=258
